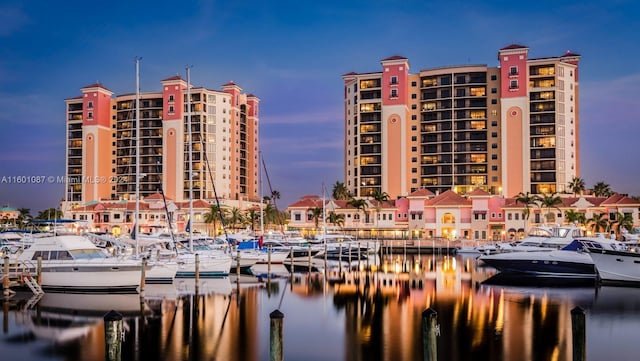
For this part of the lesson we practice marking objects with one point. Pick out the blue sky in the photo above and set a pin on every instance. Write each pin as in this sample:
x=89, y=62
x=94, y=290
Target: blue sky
x=291, y=54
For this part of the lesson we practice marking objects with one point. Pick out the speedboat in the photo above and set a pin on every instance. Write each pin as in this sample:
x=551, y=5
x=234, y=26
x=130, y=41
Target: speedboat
x=616, y=266
x=543, y=238
x=74, y=263
x=568, y=262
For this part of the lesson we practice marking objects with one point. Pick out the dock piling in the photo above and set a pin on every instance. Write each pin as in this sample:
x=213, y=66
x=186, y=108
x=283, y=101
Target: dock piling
x=143, y=277
x=578, y=332
x=276, y=336
x=39, y=271
x=430, y=333
x=113, y=333
x=291, y=257
x=268, y=261
x=5, y=279
x=238, y=263
x=197, y=273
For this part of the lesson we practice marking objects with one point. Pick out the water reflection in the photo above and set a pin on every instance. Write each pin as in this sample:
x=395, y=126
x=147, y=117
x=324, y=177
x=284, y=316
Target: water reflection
x=351, y=315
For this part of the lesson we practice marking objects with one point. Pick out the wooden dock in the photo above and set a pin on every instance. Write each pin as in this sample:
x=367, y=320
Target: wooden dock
x=418, y=246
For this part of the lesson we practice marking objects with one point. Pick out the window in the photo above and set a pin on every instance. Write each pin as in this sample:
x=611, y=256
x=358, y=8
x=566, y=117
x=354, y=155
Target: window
x=414, y=96
x=494, y=145
x=494, y=90
x=513, y=70
x=494, y=77
x=494, y=101
x=394, y=80
x=171, y=98
x=171, y=109
x=89, y=104
x=90, y=115
x=413, y=83
x=297, y=217
x=413, y=106
x=414, y=117
x=494, y=167
x=394, y=93
x=494, y=134
x=513, y=84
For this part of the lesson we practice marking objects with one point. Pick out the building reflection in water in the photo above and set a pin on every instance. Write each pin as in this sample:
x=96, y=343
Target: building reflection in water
x=357, y=315
x=384, y=309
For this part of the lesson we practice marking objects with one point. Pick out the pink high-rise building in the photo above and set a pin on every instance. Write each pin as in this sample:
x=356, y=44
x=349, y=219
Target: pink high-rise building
x=101, y=144
x=506, y=129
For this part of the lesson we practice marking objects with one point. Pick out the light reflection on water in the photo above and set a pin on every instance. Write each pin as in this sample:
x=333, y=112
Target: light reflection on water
x=351, y=316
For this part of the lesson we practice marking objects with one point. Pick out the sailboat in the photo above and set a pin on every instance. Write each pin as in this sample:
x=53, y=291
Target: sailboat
x=210, y=263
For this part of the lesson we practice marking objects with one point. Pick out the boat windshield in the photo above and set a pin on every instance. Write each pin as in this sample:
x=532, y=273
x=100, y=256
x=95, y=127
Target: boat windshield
x=87, y=253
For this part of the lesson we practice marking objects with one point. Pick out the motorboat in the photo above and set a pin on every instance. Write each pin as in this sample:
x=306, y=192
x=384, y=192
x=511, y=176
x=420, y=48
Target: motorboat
x=568, y=262
x=616, y=266
x=74, y=263
x=543, y=238
x=334, y=241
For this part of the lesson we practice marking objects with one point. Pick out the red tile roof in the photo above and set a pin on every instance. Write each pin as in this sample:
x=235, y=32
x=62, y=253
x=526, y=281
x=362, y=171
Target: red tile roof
x=514, y=46
x=95, y=85
x=448, y=198
x=422, y=192
x=569, y=54
x=478, y=192
x=175, y=77
x=395, y=57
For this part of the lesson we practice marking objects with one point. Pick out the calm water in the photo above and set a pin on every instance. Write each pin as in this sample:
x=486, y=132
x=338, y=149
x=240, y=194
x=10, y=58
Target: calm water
x=368, y=316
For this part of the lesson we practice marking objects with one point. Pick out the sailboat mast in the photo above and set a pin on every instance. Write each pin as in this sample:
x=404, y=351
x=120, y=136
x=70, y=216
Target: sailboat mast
x=261, y=195
x=137, y=208
x=190, y=150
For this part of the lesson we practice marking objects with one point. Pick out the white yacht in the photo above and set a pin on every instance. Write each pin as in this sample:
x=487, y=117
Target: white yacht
x=74, y=263
x=616, y=266
x=568, y=262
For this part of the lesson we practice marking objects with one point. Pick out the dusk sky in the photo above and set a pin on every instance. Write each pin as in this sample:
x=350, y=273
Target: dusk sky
x=291, y=54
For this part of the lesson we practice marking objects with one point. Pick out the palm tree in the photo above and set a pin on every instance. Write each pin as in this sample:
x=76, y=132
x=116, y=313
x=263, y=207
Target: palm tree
x=316, y=214
x=598, y=223
x=216, y=214
x=49, y=214
x=235, y=217
x=526, y=199
x=24, y=217
x=358, y=204
x=573, y=216
x=623, y=221
x=275, y=195
x=336, y=219
x=271, y=214
x=380, y=197
x=602, y=189
x=550, y=201
x=340, y=191
x=251, y=217
x=577, y=185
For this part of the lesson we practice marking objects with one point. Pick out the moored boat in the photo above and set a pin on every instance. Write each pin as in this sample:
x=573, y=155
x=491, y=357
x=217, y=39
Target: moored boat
x=74, y=263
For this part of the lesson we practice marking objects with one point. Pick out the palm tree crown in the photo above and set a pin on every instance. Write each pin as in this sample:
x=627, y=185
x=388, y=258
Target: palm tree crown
x=577, y=185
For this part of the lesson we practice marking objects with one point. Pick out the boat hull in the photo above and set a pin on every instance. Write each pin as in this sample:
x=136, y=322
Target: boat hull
x=91, y=278
x=616, y=267
x=554, y=264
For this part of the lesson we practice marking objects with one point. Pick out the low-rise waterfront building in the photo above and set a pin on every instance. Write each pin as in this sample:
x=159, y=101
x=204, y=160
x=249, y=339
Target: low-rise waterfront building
x=448, y=215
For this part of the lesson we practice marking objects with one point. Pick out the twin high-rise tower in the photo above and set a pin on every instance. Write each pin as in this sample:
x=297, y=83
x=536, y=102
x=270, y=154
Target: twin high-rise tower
x=101, y=143
x=507, y=129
